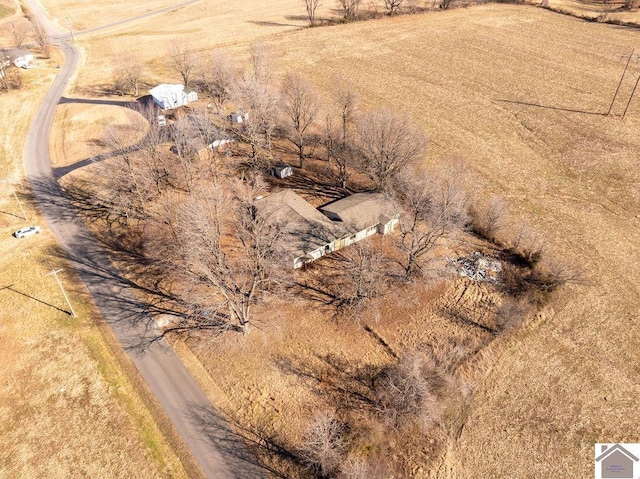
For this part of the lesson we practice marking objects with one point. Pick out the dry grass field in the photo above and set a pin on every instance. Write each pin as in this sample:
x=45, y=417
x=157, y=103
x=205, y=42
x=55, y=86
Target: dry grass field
x=517, y=92
x=67, y=407
x=570, y=381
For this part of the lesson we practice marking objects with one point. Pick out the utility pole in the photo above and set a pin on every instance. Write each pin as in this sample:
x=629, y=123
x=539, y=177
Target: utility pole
x=73, y=38
x=17, y=199
x=55, y=272
x=632, y=92
x=630, y=56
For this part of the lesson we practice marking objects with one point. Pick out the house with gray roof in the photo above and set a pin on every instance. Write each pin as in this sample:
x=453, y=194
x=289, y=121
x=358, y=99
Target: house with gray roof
x=314, y=233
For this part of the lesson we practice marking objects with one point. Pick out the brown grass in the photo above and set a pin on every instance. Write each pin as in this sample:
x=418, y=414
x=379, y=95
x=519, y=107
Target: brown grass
x=568, y=382
x=67, y=408
x=513, y=91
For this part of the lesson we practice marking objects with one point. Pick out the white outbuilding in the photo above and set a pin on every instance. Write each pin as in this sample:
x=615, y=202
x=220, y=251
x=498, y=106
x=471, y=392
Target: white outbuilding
x=239, y=116
x=168, y=96
x=20, y=57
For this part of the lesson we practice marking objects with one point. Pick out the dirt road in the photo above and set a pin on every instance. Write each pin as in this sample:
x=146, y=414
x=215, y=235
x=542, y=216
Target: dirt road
x=219, y=452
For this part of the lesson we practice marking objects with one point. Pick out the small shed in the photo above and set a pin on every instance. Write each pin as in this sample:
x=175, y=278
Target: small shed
x=239, y=116
x=219, y=143
x=162, y=120
x=192, y=95
x=282, y=170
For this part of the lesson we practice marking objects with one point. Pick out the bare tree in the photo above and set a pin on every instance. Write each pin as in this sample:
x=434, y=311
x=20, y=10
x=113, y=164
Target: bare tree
x=349, y=8
x=340, y=147
x=150, y=151
x=261, y=57
x=19, y=33
x=128, y=184
x=339, y=153
x=183, y=61
x=346, y=100
x=433, y=206
x=186, y=146
x=220, y=76
x=9, y=75
x=387, y=145
x=323, y=445
x=551, y=273
x=300, y=104
x=393, y=6
x=354, y=277
x=229, y=252
x=489, y=217
x=42, y=37
x=406, y=391
x=260, y=102
x=129, y=73
x=527, y=243
x=311, y=6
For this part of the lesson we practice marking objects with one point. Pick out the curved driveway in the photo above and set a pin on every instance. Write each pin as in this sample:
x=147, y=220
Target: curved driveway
x=219, y=452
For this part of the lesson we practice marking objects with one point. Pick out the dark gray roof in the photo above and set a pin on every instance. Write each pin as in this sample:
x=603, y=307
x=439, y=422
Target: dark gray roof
x=309, y=229
x=361, y=210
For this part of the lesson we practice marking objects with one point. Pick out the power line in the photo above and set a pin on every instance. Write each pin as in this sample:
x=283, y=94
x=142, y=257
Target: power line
x=13, y=190
x=621, y=79
x=630, y=56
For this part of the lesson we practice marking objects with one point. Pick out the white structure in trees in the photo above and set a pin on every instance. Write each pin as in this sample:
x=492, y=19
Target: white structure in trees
x=282, y=170
x=239, y=116
x=168, y=96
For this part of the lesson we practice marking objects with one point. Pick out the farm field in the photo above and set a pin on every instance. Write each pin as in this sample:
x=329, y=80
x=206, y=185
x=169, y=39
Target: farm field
x=518, y=93
x=573, y=174
x=67, y=407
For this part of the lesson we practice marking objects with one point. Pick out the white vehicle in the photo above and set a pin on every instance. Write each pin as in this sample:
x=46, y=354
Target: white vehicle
x=28, y=231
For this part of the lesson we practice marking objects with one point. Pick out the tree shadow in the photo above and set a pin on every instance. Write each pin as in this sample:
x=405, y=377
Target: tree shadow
x=97, y=101
x=304, y=182
x=59, y=172
x=344, y=384
x=127, y=304
x=273, y=24
x=10, y=288
x=243, y=447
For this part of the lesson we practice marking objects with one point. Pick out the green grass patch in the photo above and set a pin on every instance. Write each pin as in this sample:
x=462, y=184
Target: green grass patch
x=6, y=11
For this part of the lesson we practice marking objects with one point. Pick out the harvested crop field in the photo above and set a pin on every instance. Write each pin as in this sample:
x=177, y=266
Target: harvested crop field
x=518, y=92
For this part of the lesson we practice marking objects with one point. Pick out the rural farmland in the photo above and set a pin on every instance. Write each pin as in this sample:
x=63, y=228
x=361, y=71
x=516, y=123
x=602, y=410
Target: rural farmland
x=517, y=95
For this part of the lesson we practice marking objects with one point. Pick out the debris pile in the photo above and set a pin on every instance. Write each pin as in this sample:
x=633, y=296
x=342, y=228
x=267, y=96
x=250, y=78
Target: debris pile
x=477, y=267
